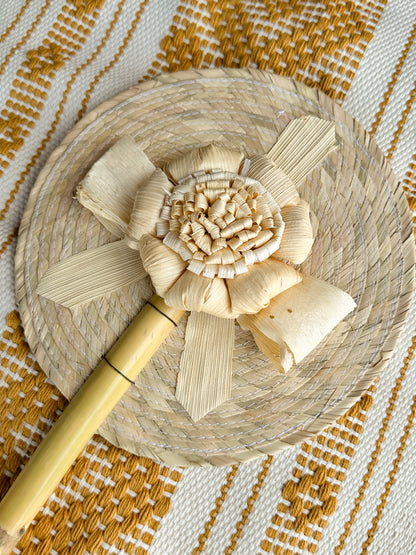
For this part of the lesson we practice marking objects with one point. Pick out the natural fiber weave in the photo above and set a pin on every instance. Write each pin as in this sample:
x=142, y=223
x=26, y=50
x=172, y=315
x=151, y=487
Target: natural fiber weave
x=363, y=245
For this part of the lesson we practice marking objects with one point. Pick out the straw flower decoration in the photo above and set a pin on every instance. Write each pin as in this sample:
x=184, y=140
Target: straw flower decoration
x=221, y=235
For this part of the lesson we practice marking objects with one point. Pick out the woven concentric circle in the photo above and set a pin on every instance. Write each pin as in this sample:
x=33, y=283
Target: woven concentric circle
x=364, y=245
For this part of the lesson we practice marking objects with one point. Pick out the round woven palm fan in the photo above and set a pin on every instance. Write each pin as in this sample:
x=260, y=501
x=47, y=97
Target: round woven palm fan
x=364, y=245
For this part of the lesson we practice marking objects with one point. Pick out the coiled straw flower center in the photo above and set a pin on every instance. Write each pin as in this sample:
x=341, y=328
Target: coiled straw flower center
x=220, y=222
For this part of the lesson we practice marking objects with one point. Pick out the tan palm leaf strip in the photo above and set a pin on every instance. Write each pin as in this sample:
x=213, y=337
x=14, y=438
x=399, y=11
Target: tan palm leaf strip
x=204, y=380
x=114, y=60
x=86, y=275
x=394, y=78
x=374, y=456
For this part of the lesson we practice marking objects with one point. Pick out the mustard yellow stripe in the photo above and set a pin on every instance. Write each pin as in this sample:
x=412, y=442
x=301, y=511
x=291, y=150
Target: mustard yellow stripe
x=26, y=36
x=392, y=478
x=409, y=186
x=298, y=47
x=58, y=114
x=115, y=59
x=34, y=79
x=8, y=241
x=216, y=511
x=410, y=179
x=310, y=497
x=402, y=122
x=15, y=21
x=392, y=401
x=374, y=456
x=250, y=505
x=395, y=77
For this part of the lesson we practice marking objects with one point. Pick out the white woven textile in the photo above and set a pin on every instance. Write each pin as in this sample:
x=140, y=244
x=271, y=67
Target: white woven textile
x=224, y=510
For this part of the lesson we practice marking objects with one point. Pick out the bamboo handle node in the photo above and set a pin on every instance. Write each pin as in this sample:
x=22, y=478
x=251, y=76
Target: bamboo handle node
x=81, y=418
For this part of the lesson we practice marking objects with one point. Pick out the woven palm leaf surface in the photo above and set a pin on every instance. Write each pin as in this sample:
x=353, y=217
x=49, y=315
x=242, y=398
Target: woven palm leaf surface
x=363, y=245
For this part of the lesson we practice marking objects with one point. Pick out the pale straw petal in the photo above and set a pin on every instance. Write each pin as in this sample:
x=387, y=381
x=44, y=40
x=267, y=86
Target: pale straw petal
x=303, y=144
x=188, y=292
x=297, y=240
x=204, y=158
x=252, y=291
x=201, y=294
x=90, y=274
x=147, y=207
x=110, y=186
x=217, y=300
x=204, y=379
x=279, y=185
x=297, y=320
x=162, y=264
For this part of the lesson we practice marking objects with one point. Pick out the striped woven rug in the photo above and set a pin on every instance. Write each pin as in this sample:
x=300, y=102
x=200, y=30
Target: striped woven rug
x=348, y=490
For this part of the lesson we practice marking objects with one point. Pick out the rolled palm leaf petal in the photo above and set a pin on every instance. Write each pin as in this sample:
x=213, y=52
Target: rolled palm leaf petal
x=204, y=379
x=110, y=186
x=253, y=290
x=91, y=274
x=297, y=240
x=217, y=300
x=189, y=292
x=147, y=207
x=297, y=320
x=162, y=264
x=302, y=145
x=203, y=159
x=279, y=185
x=201, y=294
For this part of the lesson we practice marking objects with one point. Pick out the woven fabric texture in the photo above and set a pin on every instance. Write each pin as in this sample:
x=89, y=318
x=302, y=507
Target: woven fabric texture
x=349, y=489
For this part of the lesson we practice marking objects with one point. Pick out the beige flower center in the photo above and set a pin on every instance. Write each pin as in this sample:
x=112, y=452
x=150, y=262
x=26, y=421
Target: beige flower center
x=220, y=222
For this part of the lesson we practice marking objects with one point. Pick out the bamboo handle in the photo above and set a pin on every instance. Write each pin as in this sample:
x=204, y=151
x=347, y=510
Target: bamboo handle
x=81, y=418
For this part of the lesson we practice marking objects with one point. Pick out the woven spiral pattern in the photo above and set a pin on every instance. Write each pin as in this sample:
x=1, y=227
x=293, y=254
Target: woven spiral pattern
x=363, y=245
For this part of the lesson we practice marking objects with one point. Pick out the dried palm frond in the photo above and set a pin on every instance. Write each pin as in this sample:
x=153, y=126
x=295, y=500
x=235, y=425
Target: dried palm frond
x=90, y=274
